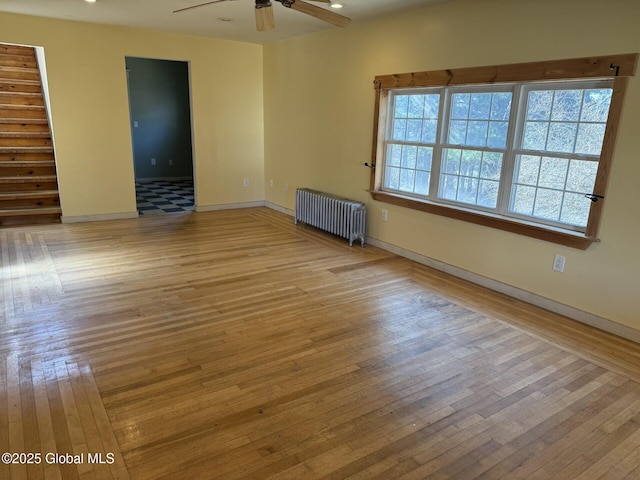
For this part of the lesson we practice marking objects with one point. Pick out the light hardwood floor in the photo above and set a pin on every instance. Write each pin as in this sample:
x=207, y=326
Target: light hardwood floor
x=235, y=345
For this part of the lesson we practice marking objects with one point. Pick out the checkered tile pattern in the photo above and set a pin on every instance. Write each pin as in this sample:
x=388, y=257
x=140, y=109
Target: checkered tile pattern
x=164, y=196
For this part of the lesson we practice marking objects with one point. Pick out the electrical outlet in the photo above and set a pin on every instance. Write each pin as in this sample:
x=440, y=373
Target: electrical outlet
x=286, y=187
x=153, y=161
x=170, y=162
x=135, y=124
x=271, y=182
x=246, y=182
x=558, y=263
x=384, y=215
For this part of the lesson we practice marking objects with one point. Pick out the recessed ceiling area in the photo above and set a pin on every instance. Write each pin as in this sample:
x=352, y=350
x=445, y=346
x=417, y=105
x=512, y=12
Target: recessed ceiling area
x=228, y=19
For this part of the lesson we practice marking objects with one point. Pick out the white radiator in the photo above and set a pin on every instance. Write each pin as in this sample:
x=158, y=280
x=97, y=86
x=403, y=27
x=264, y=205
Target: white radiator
x=331, y=213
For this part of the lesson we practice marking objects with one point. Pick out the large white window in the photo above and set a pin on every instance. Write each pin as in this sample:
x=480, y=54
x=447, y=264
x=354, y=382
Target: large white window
x=521, y=153
x=524, y=150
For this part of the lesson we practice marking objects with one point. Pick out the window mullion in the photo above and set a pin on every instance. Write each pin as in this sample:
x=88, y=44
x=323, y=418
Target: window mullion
x=436, y=163
x=514, y=133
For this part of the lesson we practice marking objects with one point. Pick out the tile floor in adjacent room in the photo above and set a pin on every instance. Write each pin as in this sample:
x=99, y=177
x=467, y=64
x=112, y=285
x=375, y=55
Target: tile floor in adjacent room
x=164, y=196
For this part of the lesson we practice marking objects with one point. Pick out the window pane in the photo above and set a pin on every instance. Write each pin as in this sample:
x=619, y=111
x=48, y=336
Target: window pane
x=491, y=165
x=488, y=194
x=394, y=154
x=539, y=105
x=527, y=169
x=467, y=190
x=432, y=106
x=407, y=179
x=535, y=135
x=401, y=106
x=566, y=105
x=562, y=137
x=452, y=160
x=582, y=176
x=596, y=105
x=590, y=137
x=576, y=122
x=429, y=131
x=399, y=130
x=477, y=134
x=461, y=177
x=470, y=164
x=550, y=188
x=416, y=106
x=460, y=105
x=523, y=199
x=548, y=204
x=553, y=172
x=480, y=106
x=414, y=123
x=470, y=113
x=409, y=154
x=457, y=132
x=449, y=187
x=575, y=209
x=414, y=130
x=501, y=106
x=392, y=178
x=422, y=182
x=497, y=137
x=425, y=155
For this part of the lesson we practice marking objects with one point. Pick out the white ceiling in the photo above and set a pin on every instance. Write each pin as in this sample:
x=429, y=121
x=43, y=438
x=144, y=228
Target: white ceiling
x=204, y=21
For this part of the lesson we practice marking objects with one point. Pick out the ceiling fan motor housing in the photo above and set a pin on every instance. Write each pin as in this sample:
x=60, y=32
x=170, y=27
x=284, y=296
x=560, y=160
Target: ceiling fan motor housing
x=263, y=3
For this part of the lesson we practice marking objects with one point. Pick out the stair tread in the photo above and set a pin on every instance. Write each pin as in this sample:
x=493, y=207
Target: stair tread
x=9, y=212
x=5, y=134
x=30, y=194
x=11, y=93
x=16, y=106
x=6, y=49
x=45, y=149
x=31, y=121
x=29, y=179
x=27, y=163
x=19, y=81
x=15, y=68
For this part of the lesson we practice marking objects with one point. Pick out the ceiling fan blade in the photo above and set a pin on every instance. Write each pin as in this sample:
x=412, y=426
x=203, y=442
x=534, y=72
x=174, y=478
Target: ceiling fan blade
x=200, y=5
x=319, y=13
x=321, y=1
x=264, y=18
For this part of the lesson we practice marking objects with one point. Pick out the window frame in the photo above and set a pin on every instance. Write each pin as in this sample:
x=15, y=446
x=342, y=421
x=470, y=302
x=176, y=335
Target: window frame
x=617, y=67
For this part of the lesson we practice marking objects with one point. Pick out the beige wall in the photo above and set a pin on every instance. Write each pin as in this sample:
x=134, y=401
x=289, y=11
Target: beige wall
x=318, y=130
x=90, y=112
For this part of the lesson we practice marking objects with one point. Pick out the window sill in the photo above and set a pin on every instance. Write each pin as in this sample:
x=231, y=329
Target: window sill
x=548, y=234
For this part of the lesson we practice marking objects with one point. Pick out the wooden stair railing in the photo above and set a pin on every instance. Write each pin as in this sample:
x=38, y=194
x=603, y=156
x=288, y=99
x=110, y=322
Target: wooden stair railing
x=28, y=180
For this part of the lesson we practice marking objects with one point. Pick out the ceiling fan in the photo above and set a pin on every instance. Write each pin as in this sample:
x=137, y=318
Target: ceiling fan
x=264, y=12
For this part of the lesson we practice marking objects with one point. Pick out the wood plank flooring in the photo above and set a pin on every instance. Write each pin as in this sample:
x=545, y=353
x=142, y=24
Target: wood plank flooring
x=235, y=345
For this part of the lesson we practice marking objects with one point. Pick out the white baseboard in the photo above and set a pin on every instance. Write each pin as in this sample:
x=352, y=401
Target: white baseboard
x=532, y=298
x=228, y=206
x=99, y=218
x=529, y=297
x=278, y=208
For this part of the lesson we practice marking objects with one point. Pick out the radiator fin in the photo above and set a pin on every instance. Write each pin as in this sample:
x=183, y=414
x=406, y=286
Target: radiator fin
x=340, y=216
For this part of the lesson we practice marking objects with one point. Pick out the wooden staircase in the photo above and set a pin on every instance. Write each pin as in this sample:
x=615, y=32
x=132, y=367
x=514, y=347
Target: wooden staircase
x=28, y=181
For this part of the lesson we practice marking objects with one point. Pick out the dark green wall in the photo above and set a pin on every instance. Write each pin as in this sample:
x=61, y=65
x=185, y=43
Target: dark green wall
x=159, y=103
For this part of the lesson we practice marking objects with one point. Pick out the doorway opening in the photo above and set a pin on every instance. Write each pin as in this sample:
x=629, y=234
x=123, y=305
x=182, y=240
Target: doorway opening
x=160, y=115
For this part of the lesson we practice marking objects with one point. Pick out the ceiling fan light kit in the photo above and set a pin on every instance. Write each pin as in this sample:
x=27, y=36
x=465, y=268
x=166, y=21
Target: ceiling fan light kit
x=265, y=18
